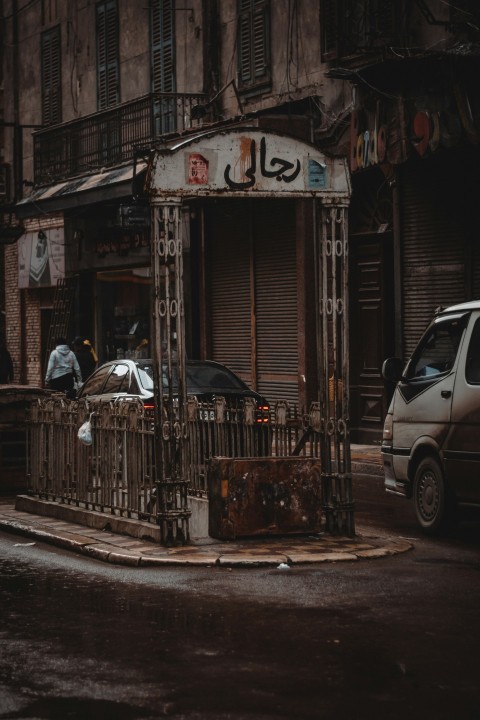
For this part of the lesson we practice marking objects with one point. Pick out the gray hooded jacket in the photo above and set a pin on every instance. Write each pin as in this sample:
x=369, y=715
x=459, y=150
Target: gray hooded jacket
x=62, y=361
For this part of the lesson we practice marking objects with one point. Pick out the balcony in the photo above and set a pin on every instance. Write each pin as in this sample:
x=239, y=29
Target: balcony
x=111, y=137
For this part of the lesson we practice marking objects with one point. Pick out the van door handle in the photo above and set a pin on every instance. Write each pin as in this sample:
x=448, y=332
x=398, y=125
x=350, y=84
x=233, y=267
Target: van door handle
x=446, y=394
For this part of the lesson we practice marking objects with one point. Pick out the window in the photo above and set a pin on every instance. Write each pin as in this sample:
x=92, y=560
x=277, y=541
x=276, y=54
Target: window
x=108, y=84
x=163, y=64
x=472, y=369
x=51, y=77
x=254, y=69
x=438, y=349
x=118, y=381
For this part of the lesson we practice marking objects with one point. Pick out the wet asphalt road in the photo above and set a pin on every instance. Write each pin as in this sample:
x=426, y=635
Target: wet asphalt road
x=390, y=638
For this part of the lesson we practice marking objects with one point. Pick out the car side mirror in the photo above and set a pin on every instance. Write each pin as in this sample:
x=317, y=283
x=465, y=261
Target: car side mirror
x=392, y=369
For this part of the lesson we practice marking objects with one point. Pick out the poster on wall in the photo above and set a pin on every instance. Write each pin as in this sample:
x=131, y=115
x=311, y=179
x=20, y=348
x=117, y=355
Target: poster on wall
x=41, y=258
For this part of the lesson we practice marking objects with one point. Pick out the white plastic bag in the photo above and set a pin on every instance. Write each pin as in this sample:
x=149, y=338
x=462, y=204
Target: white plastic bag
x=85, y=432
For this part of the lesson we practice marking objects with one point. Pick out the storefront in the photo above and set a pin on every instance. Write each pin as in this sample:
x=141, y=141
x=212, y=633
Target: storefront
x=259, y=202
x=84, y=266
x=413, y=222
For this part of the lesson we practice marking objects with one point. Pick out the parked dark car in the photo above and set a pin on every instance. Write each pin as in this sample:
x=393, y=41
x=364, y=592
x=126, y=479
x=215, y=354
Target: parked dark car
x=206, y=380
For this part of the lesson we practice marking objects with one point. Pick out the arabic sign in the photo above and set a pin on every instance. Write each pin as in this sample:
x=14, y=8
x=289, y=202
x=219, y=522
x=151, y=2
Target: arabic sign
x=247, y=161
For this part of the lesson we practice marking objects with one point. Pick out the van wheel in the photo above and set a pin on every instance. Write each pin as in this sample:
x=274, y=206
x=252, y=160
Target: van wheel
x=429, y=496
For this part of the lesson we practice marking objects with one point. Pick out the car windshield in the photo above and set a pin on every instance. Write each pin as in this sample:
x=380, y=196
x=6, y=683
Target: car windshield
x=438, y=349
x=209, y=377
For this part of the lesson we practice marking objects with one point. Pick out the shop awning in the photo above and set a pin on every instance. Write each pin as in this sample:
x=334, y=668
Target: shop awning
x=85, y=190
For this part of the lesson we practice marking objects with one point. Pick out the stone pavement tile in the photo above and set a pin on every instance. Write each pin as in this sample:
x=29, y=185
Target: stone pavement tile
x=249, y=559
x=123, y=558
x=99, y=552
x=207, y=559
x=400, y=546
x=318, y=557
x=32, y=519
x=62, y=539
x=374, y=553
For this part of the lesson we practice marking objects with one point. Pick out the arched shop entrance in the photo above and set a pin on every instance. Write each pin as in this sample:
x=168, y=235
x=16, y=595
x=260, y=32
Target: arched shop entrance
x=250, y=263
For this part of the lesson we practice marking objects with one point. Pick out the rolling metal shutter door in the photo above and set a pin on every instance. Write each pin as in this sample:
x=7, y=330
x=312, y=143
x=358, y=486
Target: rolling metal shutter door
x=276, y=300
x=433, y=247
x=275, y=292
x=229, y=274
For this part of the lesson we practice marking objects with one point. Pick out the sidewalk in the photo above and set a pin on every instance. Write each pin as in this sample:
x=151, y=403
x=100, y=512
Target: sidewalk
x=118, y=540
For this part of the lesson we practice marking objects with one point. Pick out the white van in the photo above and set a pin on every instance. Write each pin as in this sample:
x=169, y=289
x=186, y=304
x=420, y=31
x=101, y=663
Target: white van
x=431, y=436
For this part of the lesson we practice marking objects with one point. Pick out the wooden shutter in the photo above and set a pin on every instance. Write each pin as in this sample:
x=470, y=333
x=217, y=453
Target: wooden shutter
x=51, y=77
x=163, y=64
x=108, y=86
x=253, y=41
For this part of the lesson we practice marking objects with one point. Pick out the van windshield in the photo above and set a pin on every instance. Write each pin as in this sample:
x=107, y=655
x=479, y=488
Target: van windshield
x=437, y=351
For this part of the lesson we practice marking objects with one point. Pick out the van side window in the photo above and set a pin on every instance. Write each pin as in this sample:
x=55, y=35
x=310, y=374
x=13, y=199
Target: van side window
x=437, y=352
x=472, y=369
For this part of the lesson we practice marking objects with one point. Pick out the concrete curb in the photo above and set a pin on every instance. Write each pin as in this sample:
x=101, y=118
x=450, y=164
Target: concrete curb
x=259, y=552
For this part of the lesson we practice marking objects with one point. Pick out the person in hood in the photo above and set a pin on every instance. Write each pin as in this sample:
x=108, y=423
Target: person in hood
x=84, y=356
x=63, y=368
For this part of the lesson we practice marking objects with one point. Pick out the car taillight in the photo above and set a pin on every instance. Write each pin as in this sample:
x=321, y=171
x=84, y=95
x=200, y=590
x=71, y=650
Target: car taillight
x=263, y=414
x=149, y=406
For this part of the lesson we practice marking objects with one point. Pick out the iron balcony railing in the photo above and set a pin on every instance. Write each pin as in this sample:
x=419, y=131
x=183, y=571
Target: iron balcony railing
x=112, y=136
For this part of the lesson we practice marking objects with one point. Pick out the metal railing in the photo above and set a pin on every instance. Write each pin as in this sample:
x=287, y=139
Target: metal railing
x=110, y=137
x=116, y=473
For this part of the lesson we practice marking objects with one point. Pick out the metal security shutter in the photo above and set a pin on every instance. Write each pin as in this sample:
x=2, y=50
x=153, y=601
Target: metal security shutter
x=229, y=277
x=433, y=246
x=276, y=300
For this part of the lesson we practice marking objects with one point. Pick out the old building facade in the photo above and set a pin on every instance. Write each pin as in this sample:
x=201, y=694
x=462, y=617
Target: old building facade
x=94, y=89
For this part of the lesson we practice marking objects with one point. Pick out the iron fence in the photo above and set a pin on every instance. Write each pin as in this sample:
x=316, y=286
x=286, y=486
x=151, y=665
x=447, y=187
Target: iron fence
x=116, y=473
x=110, y=137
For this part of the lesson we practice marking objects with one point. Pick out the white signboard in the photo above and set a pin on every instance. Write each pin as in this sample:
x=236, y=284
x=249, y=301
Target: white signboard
x=41, y=258
x=247, y=161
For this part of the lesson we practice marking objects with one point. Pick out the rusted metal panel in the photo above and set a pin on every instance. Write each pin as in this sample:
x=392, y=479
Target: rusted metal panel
x=263, y=496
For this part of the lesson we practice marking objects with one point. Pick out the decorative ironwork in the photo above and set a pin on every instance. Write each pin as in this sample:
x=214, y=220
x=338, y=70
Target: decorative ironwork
x=333, y=419
x=117, y=474
x=169, y=368
x=110, y=137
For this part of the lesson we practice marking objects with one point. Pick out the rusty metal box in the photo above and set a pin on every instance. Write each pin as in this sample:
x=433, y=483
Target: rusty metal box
x=263, y=496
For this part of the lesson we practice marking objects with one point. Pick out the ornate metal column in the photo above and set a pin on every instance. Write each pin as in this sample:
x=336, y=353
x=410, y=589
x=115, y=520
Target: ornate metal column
x=333, y=358
x=169, y=367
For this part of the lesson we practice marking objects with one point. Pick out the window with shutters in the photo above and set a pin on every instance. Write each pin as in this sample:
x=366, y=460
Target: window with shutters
x=163, y=64
x=51, y=77
x=108, y=80
x=254, y=62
